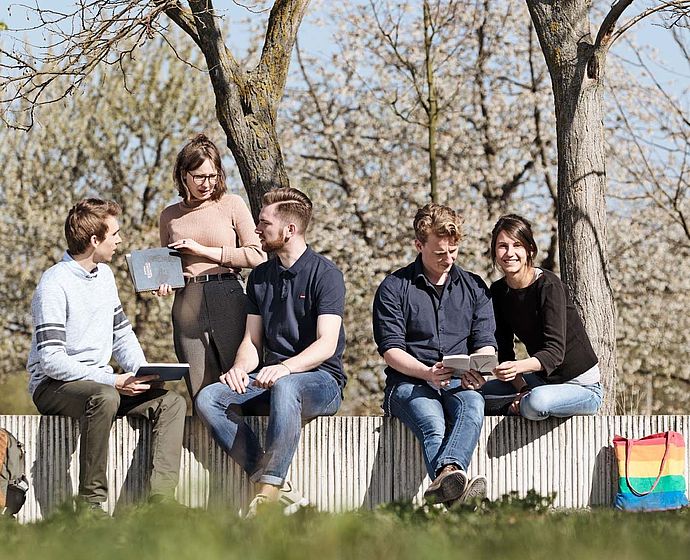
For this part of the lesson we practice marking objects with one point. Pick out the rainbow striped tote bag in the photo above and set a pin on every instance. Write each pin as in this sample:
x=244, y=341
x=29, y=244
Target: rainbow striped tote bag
x=651, y=472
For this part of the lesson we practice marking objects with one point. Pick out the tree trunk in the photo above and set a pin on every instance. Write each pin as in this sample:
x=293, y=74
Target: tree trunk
x=247, y=102
x=431, y=105
x=253, y=141
x=564, y=34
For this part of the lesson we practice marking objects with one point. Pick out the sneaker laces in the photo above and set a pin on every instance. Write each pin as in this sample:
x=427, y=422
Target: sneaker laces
x=258, y=500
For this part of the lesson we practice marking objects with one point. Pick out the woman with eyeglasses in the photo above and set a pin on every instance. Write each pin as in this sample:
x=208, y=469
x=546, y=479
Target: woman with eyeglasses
x=561, y=375
x=214, y=231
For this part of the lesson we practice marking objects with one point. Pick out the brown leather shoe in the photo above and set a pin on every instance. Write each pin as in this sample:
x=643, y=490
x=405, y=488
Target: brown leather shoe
x=447, y=486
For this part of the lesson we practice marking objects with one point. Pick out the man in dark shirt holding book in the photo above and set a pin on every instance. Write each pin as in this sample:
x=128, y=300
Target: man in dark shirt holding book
x=289, y=364
x=422, y=312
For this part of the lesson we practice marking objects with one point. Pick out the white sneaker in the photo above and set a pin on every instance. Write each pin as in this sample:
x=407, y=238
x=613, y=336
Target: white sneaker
x=258, y=500
x=291, y=499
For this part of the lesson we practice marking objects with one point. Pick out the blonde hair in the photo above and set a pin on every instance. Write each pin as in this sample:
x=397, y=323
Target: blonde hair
x=438, y=219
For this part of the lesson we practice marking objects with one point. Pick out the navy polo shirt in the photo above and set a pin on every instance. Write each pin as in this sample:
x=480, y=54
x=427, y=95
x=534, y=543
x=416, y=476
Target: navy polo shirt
x=289, y=301
x=409, y=314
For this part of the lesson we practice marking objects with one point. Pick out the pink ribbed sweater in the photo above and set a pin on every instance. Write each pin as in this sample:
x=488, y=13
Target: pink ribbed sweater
x=225, y=223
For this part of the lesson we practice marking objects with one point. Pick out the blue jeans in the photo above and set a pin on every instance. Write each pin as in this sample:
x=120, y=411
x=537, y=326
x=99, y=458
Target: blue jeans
x=292, y=400
x=559, y=399
x=447, y=424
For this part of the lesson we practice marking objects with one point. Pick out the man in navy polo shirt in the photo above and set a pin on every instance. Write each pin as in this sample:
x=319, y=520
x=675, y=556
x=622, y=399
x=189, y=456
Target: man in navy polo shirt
x=427, y=310
x=289, y=364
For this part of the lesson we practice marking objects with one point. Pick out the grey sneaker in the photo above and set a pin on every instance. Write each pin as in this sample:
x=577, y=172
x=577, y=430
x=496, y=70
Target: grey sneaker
x=448, y=486
x=475, y=490
x=291, y=499
x=92, y=509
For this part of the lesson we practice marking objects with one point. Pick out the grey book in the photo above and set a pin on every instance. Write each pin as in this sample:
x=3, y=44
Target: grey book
x=149, y=268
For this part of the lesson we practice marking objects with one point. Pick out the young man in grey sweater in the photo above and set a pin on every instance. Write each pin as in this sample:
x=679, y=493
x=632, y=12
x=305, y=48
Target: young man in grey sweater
x=79, y=325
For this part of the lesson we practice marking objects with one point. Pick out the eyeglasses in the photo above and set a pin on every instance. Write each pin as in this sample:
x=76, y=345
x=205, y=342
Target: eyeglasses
x=201, y=179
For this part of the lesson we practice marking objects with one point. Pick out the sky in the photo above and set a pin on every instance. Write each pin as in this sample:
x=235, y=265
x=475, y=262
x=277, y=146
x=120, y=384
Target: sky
x=670, y=68
x=315, y=39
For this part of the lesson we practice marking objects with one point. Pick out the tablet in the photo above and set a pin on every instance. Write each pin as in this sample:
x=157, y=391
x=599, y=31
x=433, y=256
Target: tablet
x=165, y=372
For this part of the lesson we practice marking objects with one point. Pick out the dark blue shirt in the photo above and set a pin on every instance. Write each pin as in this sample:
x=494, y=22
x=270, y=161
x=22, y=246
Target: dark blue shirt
x=409, y=314
x=290, y=300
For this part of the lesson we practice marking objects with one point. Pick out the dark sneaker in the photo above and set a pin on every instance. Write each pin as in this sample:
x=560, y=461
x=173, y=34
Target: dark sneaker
x=475, y=490
x=448, y=486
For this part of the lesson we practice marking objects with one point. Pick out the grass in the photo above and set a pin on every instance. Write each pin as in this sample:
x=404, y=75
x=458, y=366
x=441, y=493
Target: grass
x=513, y=528
x=14, y=395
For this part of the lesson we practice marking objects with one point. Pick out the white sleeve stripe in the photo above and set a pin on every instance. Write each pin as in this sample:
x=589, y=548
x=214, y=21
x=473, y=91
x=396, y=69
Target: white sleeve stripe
x=42, y=345
x=47, y=326
x=121, y=325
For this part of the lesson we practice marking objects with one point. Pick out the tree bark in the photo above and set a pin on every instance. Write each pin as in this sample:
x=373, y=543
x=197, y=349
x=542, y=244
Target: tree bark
x=564, y=34
x=247, y=102
x=432, y=104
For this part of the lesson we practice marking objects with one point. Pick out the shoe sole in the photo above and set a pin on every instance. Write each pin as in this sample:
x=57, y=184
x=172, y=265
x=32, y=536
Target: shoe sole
x=450, y=489
x=295, y=506
x=476, y=490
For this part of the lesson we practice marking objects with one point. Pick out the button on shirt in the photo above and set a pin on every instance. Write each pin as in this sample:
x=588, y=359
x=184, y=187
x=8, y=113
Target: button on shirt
x=290, y=300
x=410, y=314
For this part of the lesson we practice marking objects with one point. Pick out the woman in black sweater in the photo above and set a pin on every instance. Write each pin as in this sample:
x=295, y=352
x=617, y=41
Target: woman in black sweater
x=561, y=376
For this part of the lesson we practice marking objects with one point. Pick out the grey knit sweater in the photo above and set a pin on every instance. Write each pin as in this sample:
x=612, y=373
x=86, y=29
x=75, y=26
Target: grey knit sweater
x=78, y=325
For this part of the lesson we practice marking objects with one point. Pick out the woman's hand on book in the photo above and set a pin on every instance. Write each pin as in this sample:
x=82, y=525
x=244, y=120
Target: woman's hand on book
x=188, y=246
x=509, y=371
x=164, y=290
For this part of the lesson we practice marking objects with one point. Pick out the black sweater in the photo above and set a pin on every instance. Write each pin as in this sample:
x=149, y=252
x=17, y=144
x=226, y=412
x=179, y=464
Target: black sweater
x=544, y=319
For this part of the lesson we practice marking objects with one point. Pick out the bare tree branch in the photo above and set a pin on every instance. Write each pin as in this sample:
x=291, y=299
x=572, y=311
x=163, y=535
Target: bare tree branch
x=92, y=33
x=670, y=204
x=221, y=64
x=343, y=181
x=607, y=26
x=183, y=18
x=679, y=9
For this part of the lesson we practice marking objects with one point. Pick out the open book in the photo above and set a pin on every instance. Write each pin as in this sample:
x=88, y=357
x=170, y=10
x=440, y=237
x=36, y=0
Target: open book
x=149, y=268
x=483, y=363
x=165, y=372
